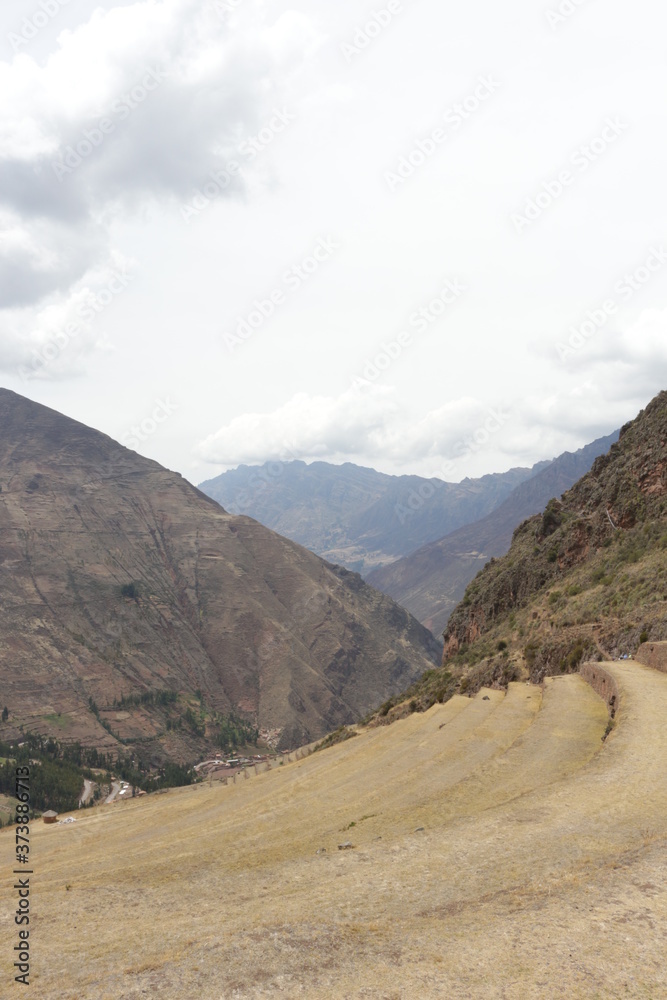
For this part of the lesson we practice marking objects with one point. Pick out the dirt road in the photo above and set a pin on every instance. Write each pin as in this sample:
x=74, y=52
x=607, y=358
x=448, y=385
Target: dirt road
x=115, y=789
x=87, y=793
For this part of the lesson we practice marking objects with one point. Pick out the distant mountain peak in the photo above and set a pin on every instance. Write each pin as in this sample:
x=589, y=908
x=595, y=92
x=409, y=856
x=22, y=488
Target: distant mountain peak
x=356, y=516
x=432, y=580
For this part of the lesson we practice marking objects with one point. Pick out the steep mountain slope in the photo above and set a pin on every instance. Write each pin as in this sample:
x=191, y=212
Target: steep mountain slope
x=587, y=578
x=431, y=581
x=358, y=517
x=117, y=577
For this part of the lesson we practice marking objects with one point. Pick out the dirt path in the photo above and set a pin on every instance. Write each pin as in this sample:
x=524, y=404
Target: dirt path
x=115, y=789
x=87, y=793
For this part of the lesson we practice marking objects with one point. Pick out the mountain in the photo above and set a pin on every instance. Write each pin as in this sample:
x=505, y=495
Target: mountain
x=529, y=813
x=431, y=581
x=122, y=586
x=584, y=580
x=354, y=516
x=589, y=575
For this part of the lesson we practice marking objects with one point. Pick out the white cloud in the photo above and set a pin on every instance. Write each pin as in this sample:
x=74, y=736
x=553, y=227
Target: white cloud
x=643, y=346
x=367, y=424
x=466, y=435
x=325, y=174
x=305, y=427
x=54, y=342
x=141, y=102
x=626, y=363
x=40, y=256
x=602, y=385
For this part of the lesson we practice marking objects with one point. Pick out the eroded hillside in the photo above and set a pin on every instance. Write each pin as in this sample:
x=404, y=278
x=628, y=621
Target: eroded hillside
x=118, y=577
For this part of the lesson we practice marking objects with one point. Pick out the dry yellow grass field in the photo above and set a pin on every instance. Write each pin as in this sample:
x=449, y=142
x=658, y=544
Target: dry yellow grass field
x=501, y=850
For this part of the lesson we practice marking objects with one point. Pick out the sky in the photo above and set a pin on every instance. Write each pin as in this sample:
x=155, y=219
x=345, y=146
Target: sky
x=420, y=236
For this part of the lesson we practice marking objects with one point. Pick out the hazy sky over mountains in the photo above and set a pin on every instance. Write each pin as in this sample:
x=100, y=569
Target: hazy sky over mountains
x=420, y=236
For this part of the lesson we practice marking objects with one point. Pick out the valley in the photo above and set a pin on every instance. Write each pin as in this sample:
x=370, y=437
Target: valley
x=487, y=821
x=333, y=501
x=354, y=516
x=420, y=541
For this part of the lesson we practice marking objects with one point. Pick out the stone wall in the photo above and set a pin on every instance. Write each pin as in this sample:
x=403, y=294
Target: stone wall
x=603, y=683
x=653, y=654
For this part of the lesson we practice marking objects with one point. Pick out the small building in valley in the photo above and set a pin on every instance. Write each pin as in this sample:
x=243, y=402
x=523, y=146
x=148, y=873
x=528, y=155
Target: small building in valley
x=50, y=816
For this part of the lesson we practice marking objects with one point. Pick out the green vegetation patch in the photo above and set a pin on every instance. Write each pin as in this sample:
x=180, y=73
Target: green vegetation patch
x=340, y=735
x=58, y=720
x=434, y=686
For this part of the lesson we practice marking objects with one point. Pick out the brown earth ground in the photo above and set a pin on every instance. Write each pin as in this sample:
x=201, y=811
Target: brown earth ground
x=540, y=870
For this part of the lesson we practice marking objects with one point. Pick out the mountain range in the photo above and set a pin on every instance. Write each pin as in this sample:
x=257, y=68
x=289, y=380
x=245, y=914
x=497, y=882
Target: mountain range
x=355, y=516
x=431, y=581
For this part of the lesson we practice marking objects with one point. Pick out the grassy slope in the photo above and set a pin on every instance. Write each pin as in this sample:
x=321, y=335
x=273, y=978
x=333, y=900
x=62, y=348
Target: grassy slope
x=537, y=873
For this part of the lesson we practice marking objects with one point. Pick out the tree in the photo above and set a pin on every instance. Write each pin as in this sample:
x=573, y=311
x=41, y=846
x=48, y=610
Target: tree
x=5, y=714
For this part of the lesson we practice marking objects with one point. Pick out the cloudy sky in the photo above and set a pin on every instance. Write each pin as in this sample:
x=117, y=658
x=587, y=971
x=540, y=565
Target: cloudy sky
x=421, y=236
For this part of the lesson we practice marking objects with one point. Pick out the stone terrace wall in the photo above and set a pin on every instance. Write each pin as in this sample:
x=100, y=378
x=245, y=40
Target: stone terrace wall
x=603, y=683
x=653, y=654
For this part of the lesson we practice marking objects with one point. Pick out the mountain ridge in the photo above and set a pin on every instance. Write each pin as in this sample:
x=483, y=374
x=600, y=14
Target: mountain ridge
x=613, y=518
x=584, y=580
x=355, y=516
x=119, y=577
x=431, y=581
